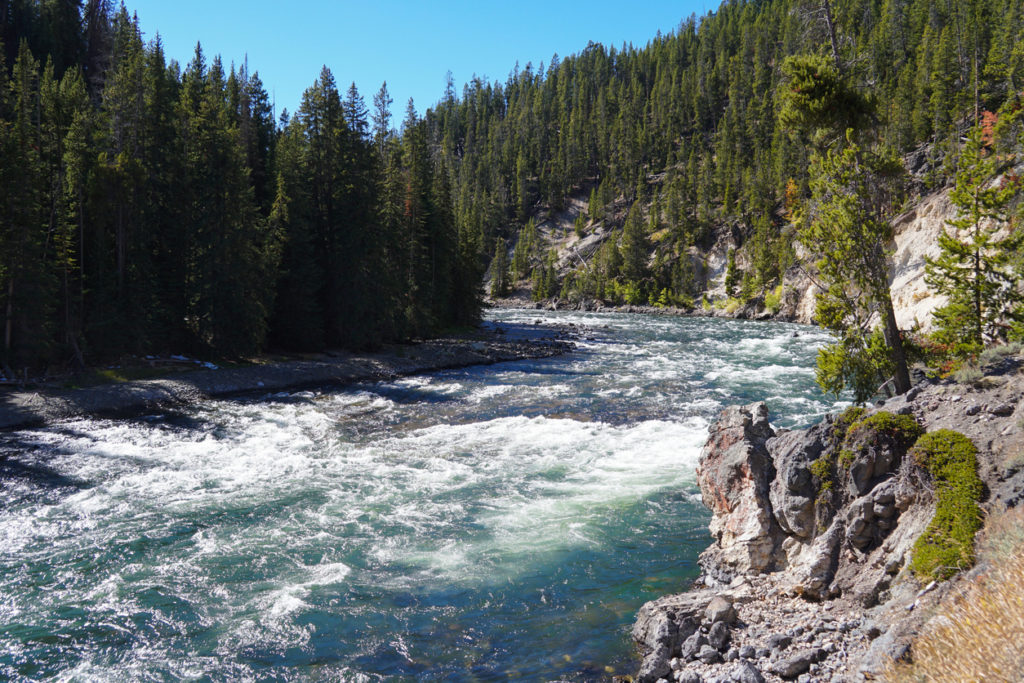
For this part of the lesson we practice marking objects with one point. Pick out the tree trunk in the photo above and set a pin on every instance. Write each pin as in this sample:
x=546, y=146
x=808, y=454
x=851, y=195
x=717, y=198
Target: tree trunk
x=901, y=374
x=826, y=6
x=978, y=331
x=9, y=323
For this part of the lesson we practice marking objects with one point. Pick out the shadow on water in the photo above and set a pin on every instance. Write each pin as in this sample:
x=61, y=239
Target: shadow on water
x=175, y=420
x=411, y=395
x=519, y=331
x=36, y=474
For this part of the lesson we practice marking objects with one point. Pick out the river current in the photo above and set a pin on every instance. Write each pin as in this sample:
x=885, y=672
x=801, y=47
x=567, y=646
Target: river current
x=483, y=524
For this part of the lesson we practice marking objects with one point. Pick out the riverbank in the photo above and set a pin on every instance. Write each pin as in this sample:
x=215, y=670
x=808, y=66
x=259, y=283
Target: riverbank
x=753, y=310
x=488, y=345
x=815, y=572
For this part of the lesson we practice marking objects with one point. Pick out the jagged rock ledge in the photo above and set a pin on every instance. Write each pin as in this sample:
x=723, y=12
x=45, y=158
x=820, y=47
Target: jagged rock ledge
x=21, y=409
x=808, y=582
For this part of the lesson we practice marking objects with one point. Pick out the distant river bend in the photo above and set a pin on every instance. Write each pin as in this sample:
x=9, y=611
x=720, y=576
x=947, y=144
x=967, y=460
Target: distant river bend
x=481, y=524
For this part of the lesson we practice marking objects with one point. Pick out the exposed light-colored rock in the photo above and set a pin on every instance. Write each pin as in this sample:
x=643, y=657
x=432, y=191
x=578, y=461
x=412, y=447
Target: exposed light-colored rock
x=734, y=475
x=916, y=236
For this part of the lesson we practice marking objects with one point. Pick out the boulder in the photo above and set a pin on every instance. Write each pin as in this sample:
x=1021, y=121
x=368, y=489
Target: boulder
x=668, y=621
x=779, y=641
x=793, y=666
x=734, y=473
x=719, y=635
x=655, y=666
x=720, y=609
x=692, y=646
x=792, y=491
x=814, y=569
x=709, y=655
x=745, y=672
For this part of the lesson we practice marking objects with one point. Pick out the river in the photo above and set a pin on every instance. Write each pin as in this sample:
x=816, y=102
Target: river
x=483, y=524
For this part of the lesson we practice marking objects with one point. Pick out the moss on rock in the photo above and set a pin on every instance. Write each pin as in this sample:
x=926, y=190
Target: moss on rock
x=947, y=545
x=901, y=428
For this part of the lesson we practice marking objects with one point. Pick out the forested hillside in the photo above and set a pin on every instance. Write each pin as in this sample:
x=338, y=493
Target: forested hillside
x=689, y=125
x=148, y=207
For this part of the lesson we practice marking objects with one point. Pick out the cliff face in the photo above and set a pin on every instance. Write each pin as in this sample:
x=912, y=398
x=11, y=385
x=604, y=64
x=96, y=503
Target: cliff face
x=915, y=236
x=813, y=532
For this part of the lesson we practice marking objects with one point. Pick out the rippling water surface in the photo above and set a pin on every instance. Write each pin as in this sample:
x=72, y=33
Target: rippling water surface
x=480, y=524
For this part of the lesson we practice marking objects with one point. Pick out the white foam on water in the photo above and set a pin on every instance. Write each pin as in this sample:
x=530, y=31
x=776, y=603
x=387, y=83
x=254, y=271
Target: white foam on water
x=546, y=482
x=253, y=512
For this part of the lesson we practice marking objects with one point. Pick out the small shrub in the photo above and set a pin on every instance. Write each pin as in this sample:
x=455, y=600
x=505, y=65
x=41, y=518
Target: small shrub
x=947, y=545
x=846, y=458
x=967, y=373
x=773, y=300
x=1014, y=462
x=732, y=305
x=824, y=472
x=848, y=417
x=994, y=354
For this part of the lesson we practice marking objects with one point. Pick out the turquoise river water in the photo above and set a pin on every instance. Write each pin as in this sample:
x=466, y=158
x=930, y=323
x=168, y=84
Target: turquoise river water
x=484, y=524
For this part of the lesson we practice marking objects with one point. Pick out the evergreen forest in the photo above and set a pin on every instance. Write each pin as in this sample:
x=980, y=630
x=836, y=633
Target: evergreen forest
x=150, y=206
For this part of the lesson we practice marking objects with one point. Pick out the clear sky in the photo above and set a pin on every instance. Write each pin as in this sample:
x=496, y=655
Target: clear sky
x=410, y=44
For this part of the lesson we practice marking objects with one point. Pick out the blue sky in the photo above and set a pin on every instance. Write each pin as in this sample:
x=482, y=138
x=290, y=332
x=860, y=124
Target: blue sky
x=410, y=44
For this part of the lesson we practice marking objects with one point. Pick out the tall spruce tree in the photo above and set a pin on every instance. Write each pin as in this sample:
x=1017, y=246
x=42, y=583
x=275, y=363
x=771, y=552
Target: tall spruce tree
x=974, y=268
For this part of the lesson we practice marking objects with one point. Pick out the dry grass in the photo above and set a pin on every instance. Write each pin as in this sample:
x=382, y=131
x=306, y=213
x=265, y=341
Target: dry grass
x=979, y=634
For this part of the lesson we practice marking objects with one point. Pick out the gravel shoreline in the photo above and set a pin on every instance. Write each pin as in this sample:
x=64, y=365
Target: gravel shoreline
x=33, y=408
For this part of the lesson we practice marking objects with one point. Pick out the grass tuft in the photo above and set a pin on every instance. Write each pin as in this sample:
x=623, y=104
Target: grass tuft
x=968, y=373
x=977, y=635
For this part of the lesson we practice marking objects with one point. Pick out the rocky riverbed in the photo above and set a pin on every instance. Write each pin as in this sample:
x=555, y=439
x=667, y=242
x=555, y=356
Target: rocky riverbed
x=490, y=344
x=810, y=582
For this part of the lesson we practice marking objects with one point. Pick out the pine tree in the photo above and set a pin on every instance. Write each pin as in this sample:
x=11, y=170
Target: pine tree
x=974, y=267
x=853, y=193
x=297, y=321
x=635, y=248
x=499, y=271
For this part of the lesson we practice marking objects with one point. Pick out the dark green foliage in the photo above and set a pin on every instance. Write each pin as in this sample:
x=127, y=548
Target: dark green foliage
x=499, y=270
x=334, y=228
x=732, y=274
x=947, y=545
x=689, y=122
x=815, y=98
x=635, y=249
x=824, y=472
x=853, y=432
x=145, y=209
x=854, y=192
x=974, y=267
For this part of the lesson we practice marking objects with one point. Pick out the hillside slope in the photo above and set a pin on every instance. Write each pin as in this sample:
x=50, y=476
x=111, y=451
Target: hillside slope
x=916, y=232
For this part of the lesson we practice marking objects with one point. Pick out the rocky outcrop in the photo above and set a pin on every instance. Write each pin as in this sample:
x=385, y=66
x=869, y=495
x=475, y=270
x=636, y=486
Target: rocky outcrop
x=735, y=485
x=813, y=531
x=916, y=237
